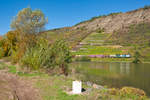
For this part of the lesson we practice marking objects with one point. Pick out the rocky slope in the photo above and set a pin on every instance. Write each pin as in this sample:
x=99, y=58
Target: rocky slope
x=116, y=21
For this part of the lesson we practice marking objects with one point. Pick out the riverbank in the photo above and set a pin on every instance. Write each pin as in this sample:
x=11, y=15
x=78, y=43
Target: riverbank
x=127, y=60
x=55, y=87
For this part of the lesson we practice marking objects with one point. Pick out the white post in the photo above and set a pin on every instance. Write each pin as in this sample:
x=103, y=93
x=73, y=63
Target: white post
x=76, y=87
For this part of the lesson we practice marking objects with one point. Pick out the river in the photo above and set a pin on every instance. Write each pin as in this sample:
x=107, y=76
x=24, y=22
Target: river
x=115, y=74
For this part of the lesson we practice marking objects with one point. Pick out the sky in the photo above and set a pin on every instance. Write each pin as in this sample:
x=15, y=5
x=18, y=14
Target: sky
x=63, y=13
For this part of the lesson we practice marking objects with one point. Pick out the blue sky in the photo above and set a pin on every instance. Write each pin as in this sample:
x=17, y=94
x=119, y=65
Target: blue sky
x=63, y=13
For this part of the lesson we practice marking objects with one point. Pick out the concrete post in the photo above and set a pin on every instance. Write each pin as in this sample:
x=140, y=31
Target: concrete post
x=77, y=87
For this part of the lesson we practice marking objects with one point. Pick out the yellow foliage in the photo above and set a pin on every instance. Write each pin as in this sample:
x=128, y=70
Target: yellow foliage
x=132, y=91
x=8, y=43
x=113, y=91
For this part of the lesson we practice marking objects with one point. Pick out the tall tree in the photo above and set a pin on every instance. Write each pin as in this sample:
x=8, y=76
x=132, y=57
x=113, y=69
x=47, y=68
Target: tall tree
x=29, y=22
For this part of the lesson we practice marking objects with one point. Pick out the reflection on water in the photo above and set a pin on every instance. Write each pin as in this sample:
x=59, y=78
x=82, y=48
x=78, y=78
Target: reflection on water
x=115, y=74
x=123, y=67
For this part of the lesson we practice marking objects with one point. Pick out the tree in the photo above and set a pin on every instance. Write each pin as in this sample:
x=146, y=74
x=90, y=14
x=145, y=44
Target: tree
x=29, y=22
x=12, y=40
x=136, y=57
x=1, y=38
x=61, y=55
x=8, y=43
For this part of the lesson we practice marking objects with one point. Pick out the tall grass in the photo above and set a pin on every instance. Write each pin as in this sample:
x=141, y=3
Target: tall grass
x=33, y=57
x=44, y=55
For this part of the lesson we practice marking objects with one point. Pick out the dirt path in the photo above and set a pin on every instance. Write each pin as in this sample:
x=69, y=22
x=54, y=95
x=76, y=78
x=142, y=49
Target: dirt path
x=12, y=87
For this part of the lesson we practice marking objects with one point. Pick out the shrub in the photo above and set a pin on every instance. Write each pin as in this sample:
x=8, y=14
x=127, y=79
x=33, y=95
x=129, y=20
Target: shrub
x=115, y=13
x=100, y=30
x=1, y=52
x=48, y=56
x=8, y=43
x=136, y=57
x=1, y=48
x=113, y=91
x=84, y=58
x=146, y=7
x=33, y=57
x=61, y=55
x=130, y=91
x=28, y=41
x=5, y=47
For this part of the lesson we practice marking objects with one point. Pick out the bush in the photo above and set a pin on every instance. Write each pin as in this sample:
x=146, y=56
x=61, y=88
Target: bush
x=84, y=58
x=5, y=47
x=8, y=43
x=136, y=57
x=146, y=7
x=100, y=30
x=113, y=91
x=61, y=55
x=48, y=56
x=1, y=52
x=28, y=41
x=130, y=91
x=33, y=57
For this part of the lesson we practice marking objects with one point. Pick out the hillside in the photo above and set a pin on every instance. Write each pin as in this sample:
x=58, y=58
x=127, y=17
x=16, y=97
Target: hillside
x=136, y=34
x=112, y=23
x=116, y=33
x=115, y=21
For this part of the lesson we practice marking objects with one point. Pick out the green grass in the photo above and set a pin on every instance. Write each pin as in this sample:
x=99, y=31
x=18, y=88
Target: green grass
x=112, y=59
x=12, y=69
x=137, y=34
x=73, y=37
x=51, y=88
x=89, y=50
x=52, y=36
x=95, y=38
x=2, y=65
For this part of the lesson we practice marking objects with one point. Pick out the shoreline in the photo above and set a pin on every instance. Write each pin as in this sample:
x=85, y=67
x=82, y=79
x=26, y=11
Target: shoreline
x=58, y=84
x=108, y=60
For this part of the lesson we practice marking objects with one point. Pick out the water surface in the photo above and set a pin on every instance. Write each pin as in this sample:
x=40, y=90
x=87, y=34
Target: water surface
x=115, y=74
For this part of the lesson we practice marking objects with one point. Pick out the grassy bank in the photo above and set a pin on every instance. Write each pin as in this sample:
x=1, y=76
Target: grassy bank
x=112, y=59
x=54, y=87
